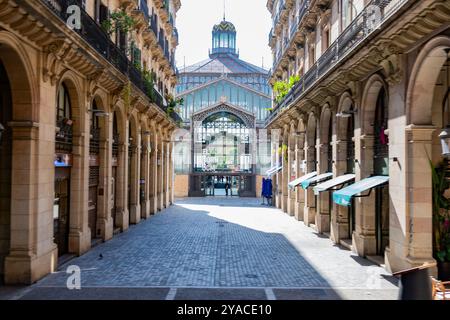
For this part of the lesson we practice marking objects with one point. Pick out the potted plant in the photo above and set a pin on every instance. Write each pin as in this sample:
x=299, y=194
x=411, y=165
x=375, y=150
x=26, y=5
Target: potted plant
x=441, y=220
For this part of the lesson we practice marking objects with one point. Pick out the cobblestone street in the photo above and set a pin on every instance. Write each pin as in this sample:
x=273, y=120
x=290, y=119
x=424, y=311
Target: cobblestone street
x=219, y=248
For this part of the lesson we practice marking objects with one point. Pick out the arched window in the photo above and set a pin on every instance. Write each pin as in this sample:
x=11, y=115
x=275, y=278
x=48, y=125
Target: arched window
x=63, y=121
x=94, y=142
x=350, y=144
x=63, y=105
x=381, y=146
x=115, y=144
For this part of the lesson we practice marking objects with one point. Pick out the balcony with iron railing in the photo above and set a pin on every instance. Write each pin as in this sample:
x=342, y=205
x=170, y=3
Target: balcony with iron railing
x=360, y=28
x=64, y=136
x=96, y=37
x=292, y=33
x=94, y=141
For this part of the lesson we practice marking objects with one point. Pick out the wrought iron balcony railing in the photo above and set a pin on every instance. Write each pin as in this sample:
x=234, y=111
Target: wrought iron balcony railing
x=94, y=141
x=98, y=39
x=360, y=28
x=294, y=28
x=64, y=136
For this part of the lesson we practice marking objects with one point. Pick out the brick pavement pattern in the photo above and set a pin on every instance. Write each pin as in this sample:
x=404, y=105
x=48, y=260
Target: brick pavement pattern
x=229, y=243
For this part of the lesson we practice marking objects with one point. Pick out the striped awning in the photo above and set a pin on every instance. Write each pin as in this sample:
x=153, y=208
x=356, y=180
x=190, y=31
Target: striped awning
x=327, y=185
x=298, y=181
x=344, y=196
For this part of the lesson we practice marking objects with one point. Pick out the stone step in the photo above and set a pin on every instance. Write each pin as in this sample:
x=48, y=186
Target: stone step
x=346, y=243
x=378, y=260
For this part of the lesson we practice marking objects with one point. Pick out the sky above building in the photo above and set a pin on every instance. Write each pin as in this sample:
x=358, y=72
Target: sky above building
x=196, y=19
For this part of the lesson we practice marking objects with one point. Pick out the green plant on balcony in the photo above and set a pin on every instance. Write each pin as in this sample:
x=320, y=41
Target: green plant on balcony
x=149, y=83
x=282, y=88
x=118, y=20
x=172, y=104
x=126, y=95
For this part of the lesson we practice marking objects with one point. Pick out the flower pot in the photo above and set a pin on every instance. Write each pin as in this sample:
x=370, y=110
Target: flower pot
x=443, y=271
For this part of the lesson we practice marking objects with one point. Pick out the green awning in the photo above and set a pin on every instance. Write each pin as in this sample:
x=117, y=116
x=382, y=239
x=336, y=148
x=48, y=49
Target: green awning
x=333, y=183
x=321, y=177
x=344, y=196
x=298, y=181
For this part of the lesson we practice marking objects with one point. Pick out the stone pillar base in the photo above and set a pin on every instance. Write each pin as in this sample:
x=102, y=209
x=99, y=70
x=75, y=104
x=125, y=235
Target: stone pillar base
x=106, y=228
x=153, y=206
x=25, y=269
x=298, y=214
x=278, y=201
x=364, y=245
x=395, y=263
x=309, y=214
x=322, y=222
x=338, y=231
x=145, y=209
x=123, y=219
x=135, y=213
x=284, y=203
x=160, y=202
x=80, y=242
x=291, y=207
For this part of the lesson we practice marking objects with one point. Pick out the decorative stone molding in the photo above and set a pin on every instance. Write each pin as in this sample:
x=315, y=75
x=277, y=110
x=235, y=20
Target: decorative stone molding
x=247, y=117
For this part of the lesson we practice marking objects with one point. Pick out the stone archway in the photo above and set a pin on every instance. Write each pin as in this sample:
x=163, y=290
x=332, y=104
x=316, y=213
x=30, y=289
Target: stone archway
x=118, y=196
x=325, y=164
x=133, y=172
x=98, y=170
x=300, y=158
x=28, y=169
x=292, y=166
x=425, y=118
x=371, y=149
x=311, y=166
x=342, y=218
x=71, y=190
x=5, y=167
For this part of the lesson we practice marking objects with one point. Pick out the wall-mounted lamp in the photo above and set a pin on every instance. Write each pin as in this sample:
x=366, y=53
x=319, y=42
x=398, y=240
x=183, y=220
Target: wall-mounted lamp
x=299, y=133
x=99, y=113
x=2, y=128
x=444, y=136
x=346, y=113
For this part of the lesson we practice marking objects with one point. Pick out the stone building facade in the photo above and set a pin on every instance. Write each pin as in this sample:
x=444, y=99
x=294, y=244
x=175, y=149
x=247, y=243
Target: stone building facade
x=85, y=125
x=363, y=120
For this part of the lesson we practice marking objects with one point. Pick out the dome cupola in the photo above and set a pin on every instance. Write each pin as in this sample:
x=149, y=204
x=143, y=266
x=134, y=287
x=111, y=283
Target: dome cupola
x=223, y=39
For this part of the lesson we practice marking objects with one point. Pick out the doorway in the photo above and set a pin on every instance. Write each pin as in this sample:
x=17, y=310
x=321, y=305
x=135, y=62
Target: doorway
x=61, y=210
x=5, y=167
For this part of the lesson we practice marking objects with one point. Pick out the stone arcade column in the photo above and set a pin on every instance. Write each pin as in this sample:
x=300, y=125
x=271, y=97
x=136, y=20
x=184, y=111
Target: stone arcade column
x=145, y=176
x=411, y=226
x=285, y=171
x=299, y=193
x=32, y=254
x=363, y=239
x=171, y=176
x=134, y=203
x=79, y=233
x=167, y=175
x=292, y=173
x=310, y=200
x=322, y=219
x=160, y=180
x=122, y=214
x=339, y=215
x=153, y=177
